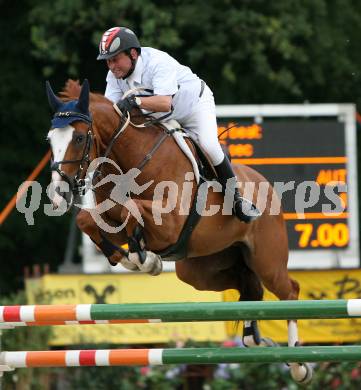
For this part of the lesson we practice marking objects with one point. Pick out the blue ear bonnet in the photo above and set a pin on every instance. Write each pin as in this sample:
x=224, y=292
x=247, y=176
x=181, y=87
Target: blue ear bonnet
x=68, y=113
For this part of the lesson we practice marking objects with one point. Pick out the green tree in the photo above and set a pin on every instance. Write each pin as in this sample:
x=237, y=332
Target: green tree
x=24, y=122
x=248, y=51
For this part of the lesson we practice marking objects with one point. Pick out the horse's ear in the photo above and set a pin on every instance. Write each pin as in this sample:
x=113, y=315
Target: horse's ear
x=83, y=102
x=54, y=101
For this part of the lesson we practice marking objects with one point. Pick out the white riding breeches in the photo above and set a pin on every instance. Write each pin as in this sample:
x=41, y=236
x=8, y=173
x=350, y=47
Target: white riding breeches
x=201, y=125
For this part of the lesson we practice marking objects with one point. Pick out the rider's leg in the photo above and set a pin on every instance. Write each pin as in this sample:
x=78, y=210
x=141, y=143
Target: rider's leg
x=243, y=208
x=202, y=124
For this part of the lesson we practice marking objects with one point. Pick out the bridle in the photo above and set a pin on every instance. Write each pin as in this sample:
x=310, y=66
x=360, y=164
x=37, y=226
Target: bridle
x=76, y=183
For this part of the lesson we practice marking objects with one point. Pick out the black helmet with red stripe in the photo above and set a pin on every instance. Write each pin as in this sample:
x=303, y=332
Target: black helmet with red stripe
x=115, y=40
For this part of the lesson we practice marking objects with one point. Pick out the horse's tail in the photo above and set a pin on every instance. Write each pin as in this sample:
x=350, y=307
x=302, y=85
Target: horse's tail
x=249, y=285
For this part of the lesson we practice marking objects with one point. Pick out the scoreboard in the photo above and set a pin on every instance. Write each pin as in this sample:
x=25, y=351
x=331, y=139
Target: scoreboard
x=308, y=153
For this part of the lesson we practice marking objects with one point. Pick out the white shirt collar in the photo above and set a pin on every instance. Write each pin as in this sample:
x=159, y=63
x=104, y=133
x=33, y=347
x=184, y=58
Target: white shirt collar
x=136, y=76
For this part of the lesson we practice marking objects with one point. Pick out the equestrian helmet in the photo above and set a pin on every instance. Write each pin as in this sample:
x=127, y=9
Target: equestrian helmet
x=115, y=40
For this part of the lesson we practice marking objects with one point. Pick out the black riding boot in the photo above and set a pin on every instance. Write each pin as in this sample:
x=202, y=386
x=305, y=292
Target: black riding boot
x=243, y=209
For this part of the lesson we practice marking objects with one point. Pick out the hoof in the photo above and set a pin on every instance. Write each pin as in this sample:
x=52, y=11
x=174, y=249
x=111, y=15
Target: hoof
x=129, y=265
x=120, y=258
x=152, y=264
x=248, y=341
x=157, y=269
x=125, y=263
x=251, y=335
x=301, y=373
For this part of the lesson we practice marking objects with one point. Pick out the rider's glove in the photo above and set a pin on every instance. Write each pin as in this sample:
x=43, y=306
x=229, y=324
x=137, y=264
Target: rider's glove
x=127, y=104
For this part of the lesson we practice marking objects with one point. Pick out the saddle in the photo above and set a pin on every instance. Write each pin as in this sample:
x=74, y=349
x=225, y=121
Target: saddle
x=202, y=166
x=203, y=171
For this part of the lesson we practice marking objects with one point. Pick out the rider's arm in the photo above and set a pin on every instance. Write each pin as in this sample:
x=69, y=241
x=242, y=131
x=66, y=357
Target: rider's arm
x=113, y=91
x=164, y=84
x=156, y=103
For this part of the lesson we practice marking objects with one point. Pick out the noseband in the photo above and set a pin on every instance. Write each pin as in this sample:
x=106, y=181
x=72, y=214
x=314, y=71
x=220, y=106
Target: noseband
x=76, y=183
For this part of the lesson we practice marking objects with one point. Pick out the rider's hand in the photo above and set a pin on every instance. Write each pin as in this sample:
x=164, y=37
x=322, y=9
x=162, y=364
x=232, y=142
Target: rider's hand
x=127, y=104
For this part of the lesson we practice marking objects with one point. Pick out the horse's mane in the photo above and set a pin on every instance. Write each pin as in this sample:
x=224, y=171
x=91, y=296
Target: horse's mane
x=71, y=91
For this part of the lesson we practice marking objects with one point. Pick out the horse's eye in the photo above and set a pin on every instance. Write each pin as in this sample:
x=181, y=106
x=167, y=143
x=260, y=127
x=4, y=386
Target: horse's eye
x=79, y=139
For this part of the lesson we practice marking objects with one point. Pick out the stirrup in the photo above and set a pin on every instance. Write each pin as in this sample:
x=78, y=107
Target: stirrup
x=245, y=210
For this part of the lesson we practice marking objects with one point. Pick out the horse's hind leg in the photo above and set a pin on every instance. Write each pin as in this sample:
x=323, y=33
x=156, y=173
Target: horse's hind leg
x=300, y=372
x=250, y=289
x=273, y=273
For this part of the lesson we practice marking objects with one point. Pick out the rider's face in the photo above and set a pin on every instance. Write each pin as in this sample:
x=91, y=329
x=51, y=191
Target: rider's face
x=119, y=65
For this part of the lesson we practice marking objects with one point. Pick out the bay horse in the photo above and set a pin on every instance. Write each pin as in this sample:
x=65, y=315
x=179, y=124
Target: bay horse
x=221, y=253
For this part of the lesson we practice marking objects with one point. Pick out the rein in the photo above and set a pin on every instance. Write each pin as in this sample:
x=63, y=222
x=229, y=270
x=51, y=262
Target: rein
x=121, y=128
x=149, y=122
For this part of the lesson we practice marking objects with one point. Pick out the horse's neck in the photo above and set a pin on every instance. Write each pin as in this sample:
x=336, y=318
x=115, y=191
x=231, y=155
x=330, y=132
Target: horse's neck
x=105, y=122
x=134, y=144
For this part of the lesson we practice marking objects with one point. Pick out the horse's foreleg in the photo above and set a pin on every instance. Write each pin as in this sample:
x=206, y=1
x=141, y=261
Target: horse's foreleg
x=146, y=261
x=114, y=253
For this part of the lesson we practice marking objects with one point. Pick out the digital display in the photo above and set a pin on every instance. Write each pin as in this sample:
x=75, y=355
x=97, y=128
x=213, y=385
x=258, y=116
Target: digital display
x=300, y=156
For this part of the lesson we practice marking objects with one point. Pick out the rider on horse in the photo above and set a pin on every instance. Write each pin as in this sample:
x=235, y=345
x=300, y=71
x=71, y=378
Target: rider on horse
x=175, y=89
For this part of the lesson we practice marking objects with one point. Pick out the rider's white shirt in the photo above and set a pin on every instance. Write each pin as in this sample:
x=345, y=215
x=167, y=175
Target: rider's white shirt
x=158, y=71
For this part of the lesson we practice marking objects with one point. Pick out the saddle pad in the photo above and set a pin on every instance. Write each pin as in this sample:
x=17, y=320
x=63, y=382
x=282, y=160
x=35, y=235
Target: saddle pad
x=184, y=147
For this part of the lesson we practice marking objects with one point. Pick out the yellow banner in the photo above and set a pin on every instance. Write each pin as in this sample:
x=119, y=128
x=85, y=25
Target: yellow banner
x=123, y=288
x=330, y=284
x=140, y=288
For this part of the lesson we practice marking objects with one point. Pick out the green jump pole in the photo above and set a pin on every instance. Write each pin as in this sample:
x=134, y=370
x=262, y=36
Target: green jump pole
x=262, y=355
x=185, y=311
x=136, y=357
